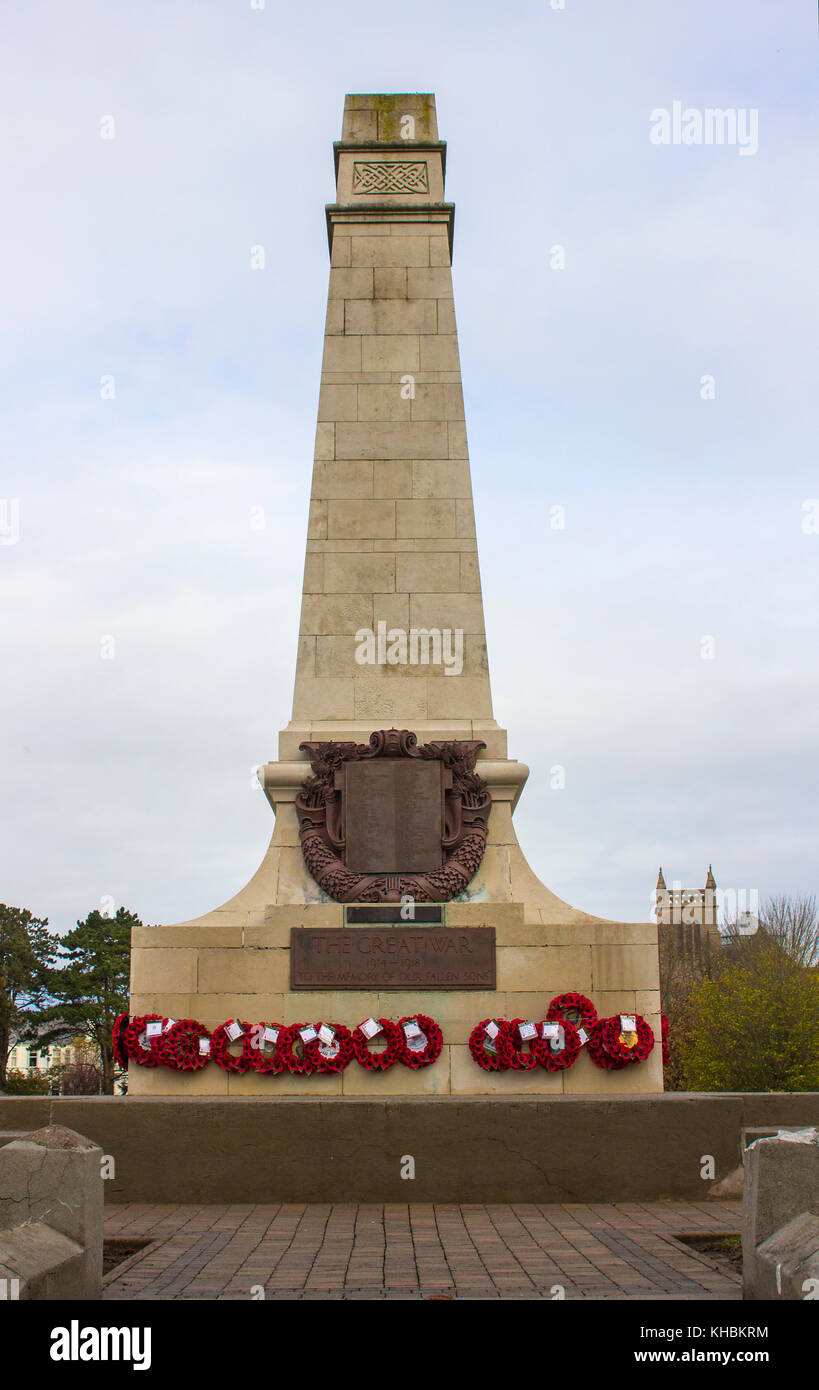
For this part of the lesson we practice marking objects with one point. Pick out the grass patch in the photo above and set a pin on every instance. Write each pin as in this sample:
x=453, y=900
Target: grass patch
x=116, y=1250
x=725, y=1249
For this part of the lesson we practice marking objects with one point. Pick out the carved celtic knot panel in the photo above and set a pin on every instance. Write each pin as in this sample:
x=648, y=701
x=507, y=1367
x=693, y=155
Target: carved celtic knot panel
x=320, y=810
x=390, y=178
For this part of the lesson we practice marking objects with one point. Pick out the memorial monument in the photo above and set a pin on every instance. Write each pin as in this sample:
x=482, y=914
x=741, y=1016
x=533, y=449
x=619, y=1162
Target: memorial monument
x=394, y=884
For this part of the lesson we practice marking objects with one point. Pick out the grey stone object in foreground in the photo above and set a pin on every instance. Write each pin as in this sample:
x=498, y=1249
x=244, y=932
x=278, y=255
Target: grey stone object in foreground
x=51, y=1213
x=780, y=1216
x=786, y=1265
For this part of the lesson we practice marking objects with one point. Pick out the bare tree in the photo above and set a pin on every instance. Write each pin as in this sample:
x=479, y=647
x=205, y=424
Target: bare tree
x=793, y=923
x=79, y=1078
x=789, y=923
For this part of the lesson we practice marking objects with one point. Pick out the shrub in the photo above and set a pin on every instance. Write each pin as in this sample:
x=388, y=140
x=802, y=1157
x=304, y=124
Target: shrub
x=754, y=1026
x=26, y=1083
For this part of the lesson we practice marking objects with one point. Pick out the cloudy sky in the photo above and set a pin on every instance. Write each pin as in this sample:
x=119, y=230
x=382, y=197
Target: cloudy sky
x=148, y=623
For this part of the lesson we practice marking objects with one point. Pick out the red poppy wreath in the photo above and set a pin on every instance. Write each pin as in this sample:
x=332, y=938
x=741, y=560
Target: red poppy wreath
x=145, y=1051
x=612, y=1037
x=118, y=1039
x=520, y=1060
x=293, y=1049
x=598, y=1053
x=572, y=1008
x=560, y=1058
x=420, y=1041
x=220, y=1041
x=331, y=1049
x=179, y=1047
x=492, y=1052
x=267, y=1063
x=386, y=1031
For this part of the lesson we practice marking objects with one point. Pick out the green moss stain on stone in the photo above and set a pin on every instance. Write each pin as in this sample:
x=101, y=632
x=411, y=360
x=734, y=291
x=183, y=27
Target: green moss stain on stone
x=390, y=107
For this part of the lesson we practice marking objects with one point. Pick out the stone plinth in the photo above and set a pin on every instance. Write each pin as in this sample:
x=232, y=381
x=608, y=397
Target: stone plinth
x=467, y=1149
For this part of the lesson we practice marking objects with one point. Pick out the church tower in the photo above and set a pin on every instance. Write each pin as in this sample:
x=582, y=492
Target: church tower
x=687, y=921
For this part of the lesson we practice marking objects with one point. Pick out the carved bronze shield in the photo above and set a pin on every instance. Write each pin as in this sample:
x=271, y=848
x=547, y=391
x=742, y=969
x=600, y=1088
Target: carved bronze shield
x=384, y=819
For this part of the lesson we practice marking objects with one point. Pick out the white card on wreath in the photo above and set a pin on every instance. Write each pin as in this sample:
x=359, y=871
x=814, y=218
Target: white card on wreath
x=411, y=1030
x=308, y=1034
x=583, y=1036
x=271, y=1035
x=370, y=1027
x=527, y=1031
x=628, y=1023
x=417, y=1042
x=551, y=1030
x=204, y=1047
x=234, y=1030
x=326, y=1034
x=492, y=1029
x=153, y=1030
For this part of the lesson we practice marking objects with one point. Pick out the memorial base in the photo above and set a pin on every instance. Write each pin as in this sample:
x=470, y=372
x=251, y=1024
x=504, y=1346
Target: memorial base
x=469, y=1149
x=235, y=963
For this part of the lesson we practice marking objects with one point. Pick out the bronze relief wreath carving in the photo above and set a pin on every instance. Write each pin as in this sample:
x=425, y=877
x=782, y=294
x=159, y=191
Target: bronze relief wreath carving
x=465, y=816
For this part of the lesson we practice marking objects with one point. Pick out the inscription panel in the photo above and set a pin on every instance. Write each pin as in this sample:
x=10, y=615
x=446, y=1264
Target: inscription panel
x=393, y=816
x=366, y=915
x=392, y=958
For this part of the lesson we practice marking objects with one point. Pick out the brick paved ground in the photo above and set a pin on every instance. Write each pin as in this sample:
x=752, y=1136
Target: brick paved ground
x=345, y=1251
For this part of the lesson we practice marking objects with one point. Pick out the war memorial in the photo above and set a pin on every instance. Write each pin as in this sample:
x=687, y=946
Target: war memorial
x=395, y=993
x=394, y=890
x=395, y=1009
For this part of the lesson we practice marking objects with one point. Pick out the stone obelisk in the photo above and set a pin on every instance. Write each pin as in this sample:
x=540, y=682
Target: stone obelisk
x=392, y=531
x=392, y=637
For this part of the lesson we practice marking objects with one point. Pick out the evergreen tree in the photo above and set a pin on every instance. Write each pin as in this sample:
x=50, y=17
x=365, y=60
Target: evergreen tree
x=90, y=987
x=27, y=951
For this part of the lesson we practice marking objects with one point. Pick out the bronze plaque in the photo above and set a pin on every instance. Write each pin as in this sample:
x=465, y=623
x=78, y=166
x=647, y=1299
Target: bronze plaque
x=392, y=958
x=383, y=914
x=393, y=816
